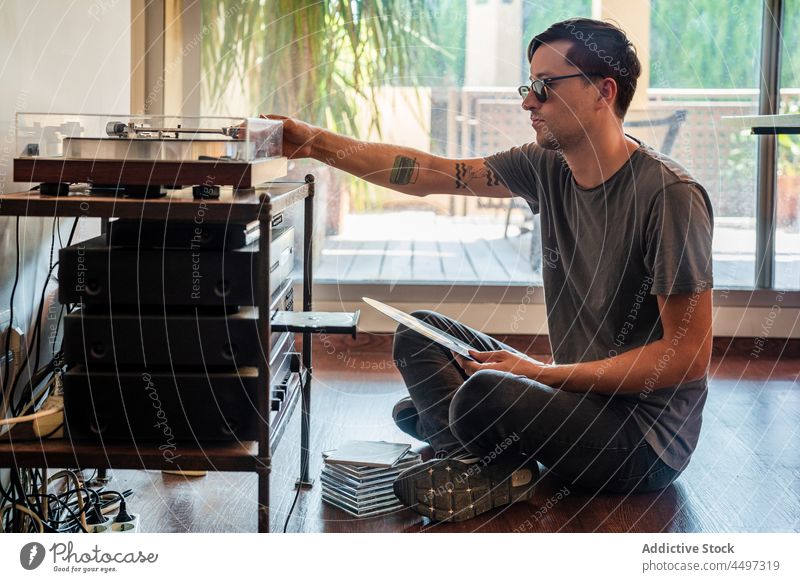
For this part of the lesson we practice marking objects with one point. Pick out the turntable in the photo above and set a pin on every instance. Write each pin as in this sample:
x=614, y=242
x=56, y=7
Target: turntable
x=143, y=156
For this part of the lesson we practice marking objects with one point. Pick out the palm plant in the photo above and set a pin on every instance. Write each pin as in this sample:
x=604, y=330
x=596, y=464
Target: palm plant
x=320, y=60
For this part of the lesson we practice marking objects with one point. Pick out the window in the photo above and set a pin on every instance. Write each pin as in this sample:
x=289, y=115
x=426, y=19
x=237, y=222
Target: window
x=704, y=60
x=787, y=235
x=453, y=92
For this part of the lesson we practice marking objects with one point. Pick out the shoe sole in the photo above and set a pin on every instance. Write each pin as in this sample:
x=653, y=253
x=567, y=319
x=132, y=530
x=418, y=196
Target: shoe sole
x=449, y=490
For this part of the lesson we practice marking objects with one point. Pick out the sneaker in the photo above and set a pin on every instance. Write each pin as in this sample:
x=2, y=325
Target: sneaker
x=406, y=418
x=451, y=490
x=461, y=454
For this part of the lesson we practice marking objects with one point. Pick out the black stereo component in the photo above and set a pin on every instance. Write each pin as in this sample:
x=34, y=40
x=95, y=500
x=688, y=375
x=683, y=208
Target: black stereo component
x=166, y=408
x=159, y=407
x=95, y=274
x=179, y=234
x=100, y=336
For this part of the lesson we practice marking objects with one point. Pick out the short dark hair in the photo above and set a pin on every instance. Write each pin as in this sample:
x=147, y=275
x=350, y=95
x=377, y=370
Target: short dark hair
x=599, y=48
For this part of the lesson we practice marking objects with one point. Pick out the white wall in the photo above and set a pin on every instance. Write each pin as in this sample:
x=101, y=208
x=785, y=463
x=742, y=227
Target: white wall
x=54, y=57
x=63, y=57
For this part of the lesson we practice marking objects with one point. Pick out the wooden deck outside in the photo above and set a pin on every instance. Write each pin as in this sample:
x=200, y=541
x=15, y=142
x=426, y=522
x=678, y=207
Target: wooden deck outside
x=498, y=261
x=423, y=247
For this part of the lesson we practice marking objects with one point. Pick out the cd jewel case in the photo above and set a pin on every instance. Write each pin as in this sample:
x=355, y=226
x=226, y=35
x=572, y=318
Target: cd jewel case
x=364, y=491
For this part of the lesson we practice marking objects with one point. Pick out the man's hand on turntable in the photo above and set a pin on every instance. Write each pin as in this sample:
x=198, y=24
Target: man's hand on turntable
x=298, y=136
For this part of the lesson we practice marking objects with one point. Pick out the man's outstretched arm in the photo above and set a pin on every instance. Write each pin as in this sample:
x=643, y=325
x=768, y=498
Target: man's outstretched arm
x=406, y=170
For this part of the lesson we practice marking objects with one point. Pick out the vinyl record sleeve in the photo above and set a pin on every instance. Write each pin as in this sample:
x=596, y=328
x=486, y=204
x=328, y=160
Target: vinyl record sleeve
x=433, y=333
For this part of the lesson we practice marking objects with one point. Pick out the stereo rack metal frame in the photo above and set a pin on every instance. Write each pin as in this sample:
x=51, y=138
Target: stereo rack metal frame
x=247, y=205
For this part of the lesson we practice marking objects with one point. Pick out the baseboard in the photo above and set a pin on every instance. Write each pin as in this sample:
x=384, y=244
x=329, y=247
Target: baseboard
x=539, y=345
x=757, y=347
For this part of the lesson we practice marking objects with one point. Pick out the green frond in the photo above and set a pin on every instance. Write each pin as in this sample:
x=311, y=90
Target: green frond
x=315, y=59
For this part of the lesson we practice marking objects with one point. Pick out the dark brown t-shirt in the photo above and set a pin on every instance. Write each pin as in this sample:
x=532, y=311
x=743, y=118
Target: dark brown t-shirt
x=606, y=253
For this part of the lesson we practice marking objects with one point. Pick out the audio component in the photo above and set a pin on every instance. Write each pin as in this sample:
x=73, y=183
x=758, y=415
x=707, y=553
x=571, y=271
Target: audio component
x=166, y=407
x=102, y=336
x=176, y=234
x=144, y=156
x=92, y=273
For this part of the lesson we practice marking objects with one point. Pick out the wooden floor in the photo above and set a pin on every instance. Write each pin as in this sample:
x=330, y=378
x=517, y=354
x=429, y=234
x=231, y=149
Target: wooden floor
x=744, y=476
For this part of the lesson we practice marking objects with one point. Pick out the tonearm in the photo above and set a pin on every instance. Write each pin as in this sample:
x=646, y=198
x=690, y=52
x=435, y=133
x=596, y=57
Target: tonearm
x=123, y=130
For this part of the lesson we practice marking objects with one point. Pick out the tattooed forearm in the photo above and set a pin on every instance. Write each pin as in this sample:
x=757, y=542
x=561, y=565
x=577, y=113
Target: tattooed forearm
x=465, y=174
x=491, y=178
x=404, y=171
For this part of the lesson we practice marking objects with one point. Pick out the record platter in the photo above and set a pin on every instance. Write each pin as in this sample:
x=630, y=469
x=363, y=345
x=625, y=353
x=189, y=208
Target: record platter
x=145, y=156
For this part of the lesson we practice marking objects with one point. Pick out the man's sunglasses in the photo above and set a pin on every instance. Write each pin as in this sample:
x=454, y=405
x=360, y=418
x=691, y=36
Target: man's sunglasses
x=540, y=86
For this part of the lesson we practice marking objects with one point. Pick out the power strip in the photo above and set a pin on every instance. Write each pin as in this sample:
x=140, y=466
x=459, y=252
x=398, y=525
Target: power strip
x=111, y=526
x=124, y=522
x=51, y=425
x=104, y=527
x=131, y=526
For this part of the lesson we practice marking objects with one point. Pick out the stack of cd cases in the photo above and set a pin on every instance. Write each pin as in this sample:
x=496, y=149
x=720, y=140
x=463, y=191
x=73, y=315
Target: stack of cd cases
x=364, y=491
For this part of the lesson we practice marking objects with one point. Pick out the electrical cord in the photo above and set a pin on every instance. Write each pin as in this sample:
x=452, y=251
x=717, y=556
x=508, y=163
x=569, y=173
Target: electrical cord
x=61, y=501
x=72, y=510
x=39, y=396
x=9, y=395
x=72, y=231
x=7, y=370
x=17, y=492
x=53, y=521
x=28, y=417
x=302, y=466
x=53, y=239
x=71, y=308
x=39, y=439
x=36, y=329
x=52, y=266
x=17, y=507
x=294, y=502
x=58, y=230
x=55, y=333
x=16, y=502
x=76, y=482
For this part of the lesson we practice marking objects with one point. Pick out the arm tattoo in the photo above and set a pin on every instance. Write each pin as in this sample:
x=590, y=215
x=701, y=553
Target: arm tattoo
x=404, y=171
x=465, y=174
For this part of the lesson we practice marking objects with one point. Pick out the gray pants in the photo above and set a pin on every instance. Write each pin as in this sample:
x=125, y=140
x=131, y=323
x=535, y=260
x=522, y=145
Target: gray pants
x=589, y=440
